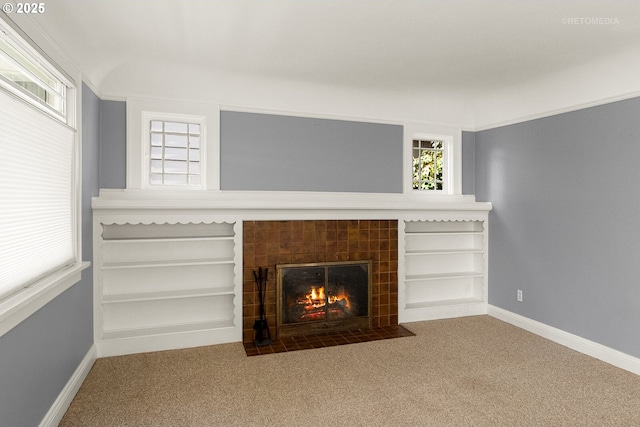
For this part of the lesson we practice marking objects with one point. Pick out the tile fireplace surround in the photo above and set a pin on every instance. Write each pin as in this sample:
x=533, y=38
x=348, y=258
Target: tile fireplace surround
x=268, y=243
x=175, y=269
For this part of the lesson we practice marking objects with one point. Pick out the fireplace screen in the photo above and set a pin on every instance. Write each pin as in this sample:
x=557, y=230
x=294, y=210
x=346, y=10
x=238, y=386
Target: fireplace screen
x=318, y=297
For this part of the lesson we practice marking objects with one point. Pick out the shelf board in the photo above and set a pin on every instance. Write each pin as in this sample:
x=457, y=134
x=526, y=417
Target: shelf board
x=167, y=263
x=167, y=239
x=442, y=303
x=453, y=275
x=164, y=295
x=166, y=329
x=443, y=233
x=443, y=252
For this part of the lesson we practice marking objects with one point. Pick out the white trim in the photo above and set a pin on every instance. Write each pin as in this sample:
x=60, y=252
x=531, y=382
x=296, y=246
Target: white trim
x=137, y=138
x=165, y=339
x=19, y=306
x=452, y=138
x=64, y=399
x=574, y=342
x=555, y=112
x=280, y=203
x=309, y=115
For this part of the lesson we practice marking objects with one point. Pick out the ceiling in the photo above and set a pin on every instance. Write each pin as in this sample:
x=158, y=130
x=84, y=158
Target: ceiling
x=472, y=51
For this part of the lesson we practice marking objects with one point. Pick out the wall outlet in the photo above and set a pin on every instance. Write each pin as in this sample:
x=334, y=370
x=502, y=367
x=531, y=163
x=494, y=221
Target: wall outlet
x=519, y=295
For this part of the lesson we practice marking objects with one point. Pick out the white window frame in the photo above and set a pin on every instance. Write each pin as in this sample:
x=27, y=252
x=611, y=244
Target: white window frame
x=452, y=168
x=139, y=114
x=21, y=304
x=67, y=113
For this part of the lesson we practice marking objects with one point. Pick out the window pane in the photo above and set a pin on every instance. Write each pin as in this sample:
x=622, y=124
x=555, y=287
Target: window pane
x=156, y=126
x=156, y=139
x=173, y=166
x=156, y=153
x=171, y=140
x=194, y=168
x=175, y=153
x=156, y=166
x=175, y=179
x=428, y=165
x=194, y=128
x=155, y=179
x=29, y=76
x=175, y=127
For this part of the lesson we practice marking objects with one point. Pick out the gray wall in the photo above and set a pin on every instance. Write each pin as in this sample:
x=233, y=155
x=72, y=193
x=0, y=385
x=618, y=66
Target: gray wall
x=39, y=355
x=271, y=152
x=113, y=146
x=565, y=218
x=272, y=135
x=468, y=163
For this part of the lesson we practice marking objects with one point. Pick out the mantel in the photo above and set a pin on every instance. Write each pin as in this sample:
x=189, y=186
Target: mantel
x=286, y=205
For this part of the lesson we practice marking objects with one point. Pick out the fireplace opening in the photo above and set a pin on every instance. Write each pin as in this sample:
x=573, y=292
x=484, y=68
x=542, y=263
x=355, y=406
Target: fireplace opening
x=322, y=297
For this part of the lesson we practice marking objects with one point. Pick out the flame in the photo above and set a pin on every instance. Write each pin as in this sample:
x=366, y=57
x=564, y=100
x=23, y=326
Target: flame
x=316, y=299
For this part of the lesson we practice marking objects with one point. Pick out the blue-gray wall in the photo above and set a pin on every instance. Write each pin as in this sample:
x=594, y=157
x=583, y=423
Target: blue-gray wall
x=564, y=223
x=281, y=153
x=39, y=355
x=113, y=146
x=468, y=163
x=256, y=153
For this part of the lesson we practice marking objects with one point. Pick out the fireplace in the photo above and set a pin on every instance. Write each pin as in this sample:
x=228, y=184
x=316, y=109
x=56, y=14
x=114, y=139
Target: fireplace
x=320, y=297
x=268, y=244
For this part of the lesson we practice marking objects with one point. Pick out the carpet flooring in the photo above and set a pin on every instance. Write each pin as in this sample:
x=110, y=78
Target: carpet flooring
x=474, y=371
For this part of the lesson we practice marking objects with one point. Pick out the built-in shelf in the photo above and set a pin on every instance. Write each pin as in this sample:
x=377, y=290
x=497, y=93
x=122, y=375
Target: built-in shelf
x=164, y=263
x=443, y=303
x=444, y=269
x=442, y=251
x=443, y=276
x=168, y=264
x=162, y=295
x=157, y=281
x=167, y=329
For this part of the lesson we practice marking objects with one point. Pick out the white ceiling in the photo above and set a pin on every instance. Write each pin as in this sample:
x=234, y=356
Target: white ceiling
x=470, y=56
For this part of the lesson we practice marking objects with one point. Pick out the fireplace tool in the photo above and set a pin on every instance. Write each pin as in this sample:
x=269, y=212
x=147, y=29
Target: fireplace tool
x=263, y=335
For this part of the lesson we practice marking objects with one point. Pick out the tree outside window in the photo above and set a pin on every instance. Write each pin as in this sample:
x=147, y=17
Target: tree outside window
x=428, y=164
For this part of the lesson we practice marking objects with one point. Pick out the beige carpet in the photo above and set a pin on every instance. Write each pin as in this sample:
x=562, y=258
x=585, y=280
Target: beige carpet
x=475, y=371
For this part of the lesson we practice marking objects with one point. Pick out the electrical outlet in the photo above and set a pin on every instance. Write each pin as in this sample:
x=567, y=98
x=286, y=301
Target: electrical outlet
x=519, y=295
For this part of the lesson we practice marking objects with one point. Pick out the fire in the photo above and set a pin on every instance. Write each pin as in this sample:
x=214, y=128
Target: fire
x=316, y=303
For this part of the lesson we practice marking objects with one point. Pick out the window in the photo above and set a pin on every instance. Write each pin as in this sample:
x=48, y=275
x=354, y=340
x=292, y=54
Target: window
x=428, y=164
x=433, y=160
x=172, y=145
x=175, y=153
x=25, y=73
x=38, y=181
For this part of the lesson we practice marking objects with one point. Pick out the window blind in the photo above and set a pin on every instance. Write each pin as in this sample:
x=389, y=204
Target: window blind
x=36, y=194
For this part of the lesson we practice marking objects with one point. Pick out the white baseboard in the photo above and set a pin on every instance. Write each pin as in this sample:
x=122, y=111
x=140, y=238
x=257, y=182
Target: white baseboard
x=167, y=341
x=574, y=342
x=61, y=404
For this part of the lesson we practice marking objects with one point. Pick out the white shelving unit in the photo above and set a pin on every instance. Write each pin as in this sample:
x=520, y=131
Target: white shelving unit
x=445, y=269
x=168, y=265
x=165, y=286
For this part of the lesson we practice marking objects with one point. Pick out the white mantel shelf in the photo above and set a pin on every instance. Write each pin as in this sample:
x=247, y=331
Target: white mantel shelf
x=286, y=205
x=178, y=283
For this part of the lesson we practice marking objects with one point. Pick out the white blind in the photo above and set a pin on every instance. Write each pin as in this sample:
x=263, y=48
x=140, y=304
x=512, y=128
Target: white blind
x=36, y=194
